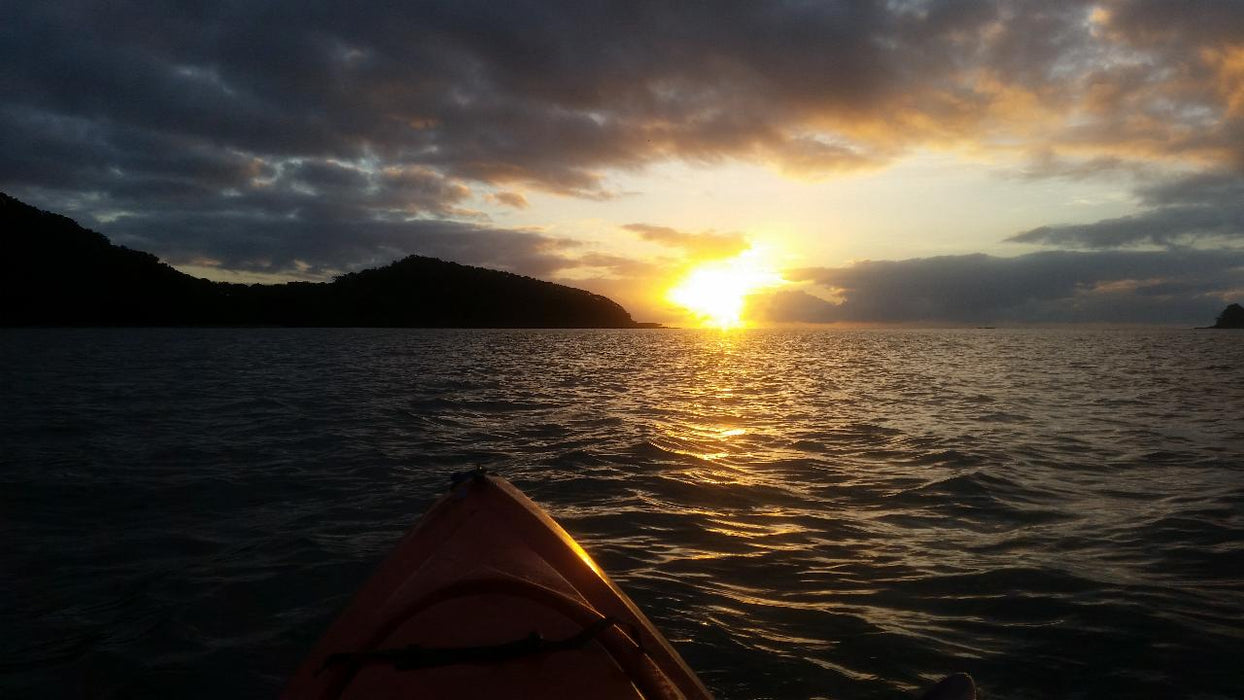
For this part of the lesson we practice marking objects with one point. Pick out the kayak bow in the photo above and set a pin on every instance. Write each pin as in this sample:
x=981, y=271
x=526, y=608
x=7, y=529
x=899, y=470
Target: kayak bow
x=487, y=596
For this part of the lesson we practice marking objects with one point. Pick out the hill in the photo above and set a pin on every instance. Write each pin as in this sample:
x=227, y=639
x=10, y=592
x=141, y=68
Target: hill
x=1231, y=317
x=60, y=273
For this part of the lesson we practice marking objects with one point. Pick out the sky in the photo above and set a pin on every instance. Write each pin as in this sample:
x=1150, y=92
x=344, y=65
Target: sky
x=851, y=162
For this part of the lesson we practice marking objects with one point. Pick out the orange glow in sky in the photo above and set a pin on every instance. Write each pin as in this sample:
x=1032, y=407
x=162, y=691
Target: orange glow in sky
x=716, y=292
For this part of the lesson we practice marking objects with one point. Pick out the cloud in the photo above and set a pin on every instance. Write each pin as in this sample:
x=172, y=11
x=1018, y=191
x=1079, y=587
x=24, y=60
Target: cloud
x=1046, y=164
x=316, y=243
x=1048, y=287
x=417, y=109
x=1203, y=210
x=1168, y=226
x=510, y=199
x=705, y=244
x=551, y=93
x=1203, y=189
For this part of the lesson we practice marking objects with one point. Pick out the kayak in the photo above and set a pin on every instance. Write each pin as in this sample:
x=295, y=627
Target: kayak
x=488, y=597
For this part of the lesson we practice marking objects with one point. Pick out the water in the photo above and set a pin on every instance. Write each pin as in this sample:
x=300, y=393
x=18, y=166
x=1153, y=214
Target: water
x=804, y=513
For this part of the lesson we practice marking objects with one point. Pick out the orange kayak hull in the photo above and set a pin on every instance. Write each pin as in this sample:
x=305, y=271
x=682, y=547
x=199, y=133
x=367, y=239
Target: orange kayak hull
x=487, y=596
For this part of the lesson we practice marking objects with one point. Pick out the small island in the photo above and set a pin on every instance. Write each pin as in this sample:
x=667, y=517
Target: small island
x=61, y=274
x=1231, y=317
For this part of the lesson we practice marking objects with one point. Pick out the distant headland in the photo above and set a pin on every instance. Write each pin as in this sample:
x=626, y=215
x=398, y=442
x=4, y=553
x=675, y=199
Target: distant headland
x=1231, y=317
x=61, y=274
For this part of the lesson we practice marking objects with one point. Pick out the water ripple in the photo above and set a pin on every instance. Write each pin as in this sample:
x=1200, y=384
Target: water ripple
x=806, y=514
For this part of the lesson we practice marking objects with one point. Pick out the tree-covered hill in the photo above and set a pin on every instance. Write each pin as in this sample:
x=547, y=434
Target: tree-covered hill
x=59, y=273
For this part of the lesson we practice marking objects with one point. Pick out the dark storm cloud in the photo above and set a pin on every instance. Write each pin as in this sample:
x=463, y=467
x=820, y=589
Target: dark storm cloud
x=1049, y=287
x=419, y=109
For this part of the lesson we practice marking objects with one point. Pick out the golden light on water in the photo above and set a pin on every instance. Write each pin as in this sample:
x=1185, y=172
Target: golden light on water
x=716, y=292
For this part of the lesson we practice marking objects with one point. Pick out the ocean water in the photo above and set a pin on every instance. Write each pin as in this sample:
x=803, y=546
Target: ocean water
x=838, y=514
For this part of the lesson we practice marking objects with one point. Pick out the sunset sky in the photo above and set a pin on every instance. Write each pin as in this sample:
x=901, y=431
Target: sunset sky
x=917, y=162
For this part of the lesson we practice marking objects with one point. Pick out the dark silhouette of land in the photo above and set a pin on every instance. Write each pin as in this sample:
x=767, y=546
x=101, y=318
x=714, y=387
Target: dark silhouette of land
x=1231, y=317
x=58, y=273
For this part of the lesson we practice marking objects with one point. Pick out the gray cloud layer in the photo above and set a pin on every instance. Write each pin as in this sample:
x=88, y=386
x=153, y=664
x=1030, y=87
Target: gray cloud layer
x=547, y=92
x=1055, y=286
x=1201, y=210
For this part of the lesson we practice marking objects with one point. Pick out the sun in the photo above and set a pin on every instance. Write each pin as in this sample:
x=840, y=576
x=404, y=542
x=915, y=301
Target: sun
x=716, y=292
